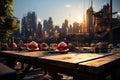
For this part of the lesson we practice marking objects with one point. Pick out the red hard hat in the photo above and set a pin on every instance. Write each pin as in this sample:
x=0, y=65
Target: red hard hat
x=62, y=46
x=33, y=45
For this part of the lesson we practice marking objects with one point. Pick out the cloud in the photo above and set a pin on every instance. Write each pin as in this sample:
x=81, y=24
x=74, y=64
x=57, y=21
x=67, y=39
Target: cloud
x=68, y=5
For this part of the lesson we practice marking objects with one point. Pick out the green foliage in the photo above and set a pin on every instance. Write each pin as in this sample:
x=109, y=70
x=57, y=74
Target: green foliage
x=8, y=23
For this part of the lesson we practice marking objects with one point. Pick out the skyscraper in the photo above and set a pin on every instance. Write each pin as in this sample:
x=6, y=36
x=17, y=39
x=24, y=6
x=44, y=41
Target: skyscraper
x=65, y=28
x=89, y=20
x=48, y=27
x=39, y=30
x=29, y=25
x=102, y=18
x=76, y=28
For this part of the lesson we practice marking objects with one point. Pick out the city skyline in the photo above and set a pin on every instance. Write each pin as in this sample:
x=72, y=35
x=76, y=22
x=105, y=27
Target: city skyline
x=59, y=10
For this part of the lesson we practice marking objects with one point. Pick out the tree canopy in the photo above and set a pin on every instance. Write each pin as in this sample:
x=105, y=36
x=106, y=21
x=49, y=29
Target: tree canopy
x=8, y=23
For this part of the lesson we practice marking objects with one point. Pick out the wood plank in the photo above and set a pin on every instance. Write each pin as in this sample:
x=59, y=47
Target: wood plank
x=101, y=66
x=68, y=60
x=101, y=61
x=73, y=57
x=26, y=53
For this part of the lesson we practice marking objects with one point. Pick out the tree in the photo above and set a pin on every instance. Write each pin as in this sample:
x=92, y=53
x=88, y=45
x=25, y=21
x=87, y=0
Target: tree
x=8, y=23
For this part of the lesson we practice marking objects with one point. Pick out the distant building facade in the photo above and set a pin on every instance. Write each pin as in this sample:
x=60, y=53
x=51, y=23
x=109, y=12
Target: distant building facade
x=29, y=25
x=102, y=19
x=48, y=27
x=89, y=21
x=39, y=30
x=64, y=29
x=76, y=28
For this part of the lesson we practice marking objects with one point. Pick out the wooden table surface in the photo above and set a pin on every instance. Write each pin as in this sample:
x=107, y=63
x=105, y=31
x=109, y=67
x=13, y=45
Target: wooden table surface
x=26, y=53
x=69, y=58
x=86, y=63
x=73, y=57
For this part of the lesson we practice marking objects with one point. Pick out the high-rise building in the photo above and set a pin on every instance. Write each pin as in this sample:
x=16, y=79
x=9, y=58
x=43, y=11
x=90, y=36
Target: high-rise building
x=64, y=29
x=76, y=28
x=39, y=30
x=70, y=29
x=29, y=25
x=89, y=20
x=23, y=27
x=48, y=27
x=102, y=19
x=57, y=28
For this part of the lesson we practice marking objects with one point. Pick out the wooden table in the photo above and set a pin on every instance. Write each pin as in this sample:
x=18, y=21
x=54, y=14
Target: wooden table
x=82, y=66
x=28, y=57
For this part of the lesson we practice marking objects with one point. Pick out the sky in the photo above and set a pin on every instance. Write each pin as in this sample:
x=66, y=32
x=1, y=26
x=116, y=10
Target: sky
x=59, y=10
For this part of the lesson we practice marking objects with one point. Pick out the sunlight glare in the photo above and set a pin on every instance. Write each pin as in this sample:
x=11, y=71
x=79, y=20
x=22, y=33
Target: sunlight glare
x=78, y=19
x=39, y=20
